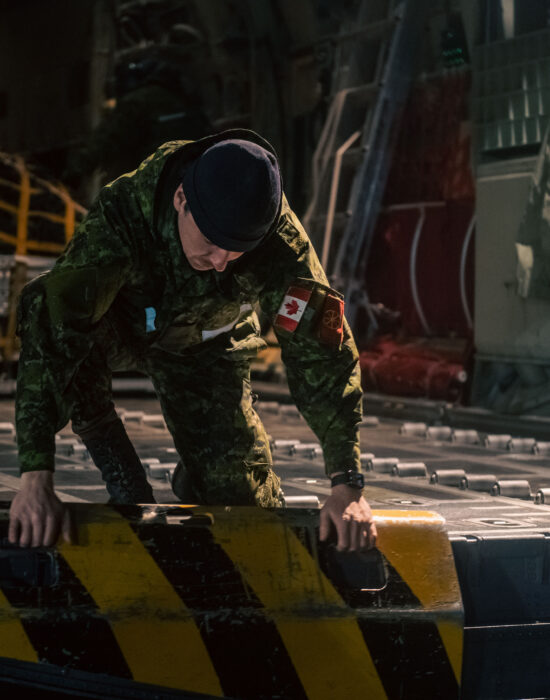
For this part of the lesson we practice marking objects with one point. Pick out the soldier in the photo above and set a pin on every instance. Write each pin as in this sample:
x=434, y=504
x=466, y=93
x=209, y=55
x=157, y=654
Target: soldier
x=162, y=276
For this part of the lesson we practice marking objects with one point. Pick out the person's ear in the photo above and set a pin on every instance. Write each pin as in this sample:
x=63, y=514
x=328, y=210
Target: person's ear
x=179, y=199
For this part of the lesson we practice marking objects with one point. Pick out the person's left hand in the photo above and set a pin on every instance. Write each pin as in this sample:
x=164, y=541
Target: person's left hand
x=351, y=515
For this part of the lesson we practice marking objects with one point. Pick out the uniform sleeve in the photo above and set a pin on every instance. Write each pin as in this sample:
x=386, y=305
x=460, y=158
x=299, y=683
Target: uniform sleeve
x=57, y=315
x=323, y=375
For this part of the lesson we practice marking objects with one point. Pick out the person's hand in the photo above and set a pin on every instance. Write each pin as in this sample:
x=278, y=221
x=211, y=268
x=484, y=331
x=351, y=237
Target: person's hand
x=351, y=515
x=37, y=516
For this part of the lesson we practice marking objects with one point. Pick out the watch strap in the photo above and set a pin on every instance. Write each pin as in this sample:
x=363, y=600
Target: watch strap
x=350, y=477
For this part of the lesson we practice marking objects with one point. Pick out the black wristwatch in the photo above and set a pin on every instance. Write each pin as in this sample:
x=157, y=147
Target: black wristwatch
x=351, y=478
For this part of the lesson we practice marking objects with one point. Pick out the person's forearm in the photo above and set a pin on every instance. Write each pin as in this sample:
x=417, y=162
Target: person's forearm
x=35, y=454
x=36, y=410
x=340, y=455
x=35, y=436
x=326, y=387
x=334, y=419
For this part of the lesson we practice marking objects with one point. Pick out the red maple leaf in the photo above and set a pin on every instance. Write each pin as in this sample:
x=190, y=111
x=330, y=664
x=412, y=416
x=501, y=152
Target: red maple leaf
x=292, y=307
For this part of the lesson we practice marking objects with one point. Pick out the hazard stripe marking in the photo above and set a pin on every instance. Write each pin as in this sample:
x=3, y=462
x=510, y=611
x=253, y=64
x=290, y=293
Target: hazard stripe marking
x=433, y=675
x=452, y=636
x=155, y=631
x=66, y=628
x=14, y=642
x=210, y=585
x=398, y=647
x=242, y=595
x=329, y=653
x=432, y=552
x=410, y=659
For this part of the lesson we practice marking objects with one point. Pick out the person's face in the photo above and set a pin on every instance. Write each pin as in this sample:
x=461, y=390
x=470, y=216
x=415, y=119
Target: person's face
x=201, y=253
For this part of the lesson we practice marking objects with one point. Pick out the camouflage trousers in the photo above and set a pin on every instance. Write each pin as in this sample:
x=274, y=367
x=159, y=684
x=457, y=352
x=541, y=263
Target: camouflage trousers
x=206, y=401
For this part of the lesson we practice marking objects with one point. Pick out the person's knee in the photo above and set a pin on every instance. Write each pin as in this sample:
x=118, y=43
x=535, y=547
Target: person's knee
x=242, y=486
x=182, y=485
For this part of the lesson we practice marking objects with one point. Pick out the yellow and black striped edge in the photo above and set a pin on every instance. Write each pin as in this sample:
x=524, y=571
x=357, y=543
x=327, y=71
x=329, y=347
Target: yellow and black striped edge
x=239, y=606
x=423, y=557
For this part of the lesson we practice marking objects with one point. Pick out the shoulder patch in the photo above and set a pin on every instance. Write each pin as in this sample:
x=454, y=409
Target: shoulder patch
x=292, y=308
x=331, y=323
x=316, y=307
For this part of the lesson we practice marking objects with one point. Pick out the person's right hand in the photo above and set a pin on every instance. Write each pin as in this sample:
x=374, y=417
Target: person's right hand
x=37, y=516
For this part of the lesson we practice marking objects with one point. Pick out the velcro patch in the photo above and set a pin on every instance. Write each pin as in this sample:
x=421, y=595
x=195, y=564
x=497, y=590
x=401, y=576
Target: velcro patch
x=150, y=316
x=292, y=309
x=331, y=322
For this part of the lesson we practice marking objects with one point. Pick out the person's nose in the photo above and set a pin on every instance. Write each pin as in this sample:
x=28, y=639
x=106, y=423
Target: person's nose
x=219, y=259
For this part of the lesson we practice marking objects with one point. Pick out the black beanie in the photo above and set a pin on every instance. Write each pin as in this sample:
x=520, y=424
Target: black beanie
x=234, y=193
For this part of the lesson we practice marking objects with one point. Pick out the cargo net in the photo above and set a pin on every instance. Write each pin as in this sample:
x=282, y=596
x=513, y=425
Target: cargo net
x=36, y=216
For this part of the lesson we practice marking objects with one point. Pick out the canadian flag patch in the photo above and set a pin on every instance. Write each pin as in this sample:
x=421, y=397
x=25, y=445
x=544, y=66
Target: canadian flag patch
x=292, y=309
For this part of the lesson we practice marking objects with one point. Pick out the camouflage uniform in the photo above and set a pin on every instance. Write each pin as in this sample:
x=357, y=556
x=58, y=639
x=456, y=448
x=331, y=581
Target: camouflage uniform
x=124, y=295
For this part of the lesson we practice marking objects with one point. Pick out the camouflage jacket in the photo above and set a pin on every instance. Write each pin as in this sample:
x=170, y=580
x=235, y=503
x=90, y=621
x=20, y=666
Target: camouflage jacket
x=126, y=264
